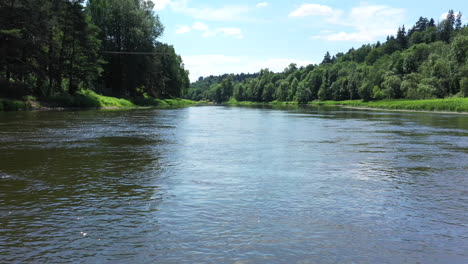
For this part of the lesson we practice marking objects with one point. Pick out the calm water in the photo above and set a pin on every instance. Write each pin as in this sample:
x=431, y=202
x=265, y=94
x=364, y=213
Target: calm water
x=233, y=185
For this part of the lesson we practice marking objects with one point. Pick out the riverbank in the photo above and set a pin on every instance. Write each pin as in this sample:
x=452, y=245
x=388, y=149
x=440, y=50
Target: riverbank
x=246, y=103
x=459, y=105
x=88, y=100
x=449, y=105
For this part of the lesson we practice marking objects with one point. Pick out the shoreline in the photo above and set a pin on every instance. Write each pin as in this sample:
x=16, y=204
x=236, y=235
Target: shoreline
x=397, y=105
x=154, y=103
x=441, y=106
x=397, y=110
x=90, y=101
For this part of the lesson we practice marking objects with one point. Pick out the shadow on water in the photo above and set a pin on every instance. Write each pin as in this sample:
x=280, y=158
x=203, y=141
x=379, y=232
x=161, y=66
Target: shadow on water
x=66, y=176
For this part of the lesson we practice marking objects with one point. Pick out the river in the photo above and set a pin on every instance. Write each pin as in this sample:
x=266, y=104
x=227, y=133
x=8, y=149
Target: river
x=215, y=184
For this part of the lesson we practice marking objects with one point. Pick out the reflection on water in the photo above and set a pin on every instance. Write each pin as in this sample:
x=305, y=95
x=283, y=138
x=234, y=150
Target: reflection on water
x=233, y=185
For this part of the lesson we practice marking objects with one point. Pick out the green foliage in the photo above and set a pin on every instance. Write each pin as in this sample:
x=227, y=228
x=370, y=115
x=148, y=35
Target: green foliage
x=12, y=105
x=303, y=94
x=88, y=99
x=426, y=61
x=52, y=47
x=365, y=91
x=378, y=94
x=282, y=91
x=460, y=48
x=450, y=104
x=464, y=86
x=391, y=87
x=154, y=102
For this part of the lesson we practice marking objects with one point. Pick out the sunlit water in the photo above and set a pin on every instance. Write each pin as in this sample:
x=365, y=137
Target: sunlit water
x=233, y=185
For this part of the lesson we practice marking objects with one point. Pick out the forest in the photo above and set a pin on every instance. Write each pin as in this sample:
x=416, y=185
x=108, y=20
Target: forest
x=429, y=60
x=60, y=47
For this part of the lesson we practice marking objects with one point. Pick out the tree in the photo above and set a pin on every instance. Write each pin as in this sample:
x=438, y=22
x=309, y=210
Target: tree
x=459, y=48
x=446, y=26
x=293, y=89
x=268, y=92
x=458, y=21
x=48, y=45
x=282, y=91
x=464, y=86
x=303, y=94
x=411, y=65
x=327, y=58
x=365, y=91
x=391, y=87
x=128, y=31
x=402, y=38
x=239, y=92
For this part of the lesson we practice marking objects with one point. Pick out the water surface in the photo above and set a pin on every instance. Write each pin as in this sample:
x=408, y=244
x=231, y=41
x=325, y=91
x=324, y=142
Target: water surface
x=233, y=185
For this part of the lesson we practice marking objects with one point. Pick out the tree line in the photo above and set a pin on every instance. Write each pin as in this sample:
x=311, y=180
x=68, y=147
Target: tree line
x=427, y=61
x=53, y=47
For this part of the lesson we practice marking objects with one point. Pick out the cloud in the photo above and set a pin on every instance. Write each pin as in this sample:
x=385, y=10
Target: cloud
x=200, y=26
x=226, y=31
x=312, y=10
x=182, y=29
x=212, y=64
x=443, y=16
x=225, y=13
x=161, y=4
x=368, y=23
x=305, y=10
x=263, y=4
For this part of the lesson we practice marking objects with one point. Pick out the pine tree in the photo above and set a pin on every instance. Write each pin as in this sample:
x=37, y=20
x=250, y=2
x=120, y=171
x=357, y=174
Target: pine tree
x=458, y=21
x=446, y=26
x=401, y=38
x=327, y=58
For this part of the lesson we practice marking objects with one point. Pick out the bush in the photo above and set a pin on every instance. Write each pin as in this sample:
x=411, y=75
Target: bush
x=89, y=99
x=365, y=91
x=12, y=105
x=378, y=94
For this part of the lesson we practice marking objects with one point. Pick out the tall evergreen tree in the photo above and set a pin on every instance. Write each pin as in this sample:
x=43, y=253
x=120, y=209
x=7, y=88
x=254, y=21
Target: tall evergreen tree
x=401, y=38
x=458, y=21
x=327, y=58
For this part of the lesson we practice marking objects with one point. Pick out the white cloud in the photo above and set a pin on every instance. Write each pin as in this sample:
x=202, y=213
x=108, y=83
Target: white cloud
x=226, y=31
x=161, y=4
x=331, y=15
x=443, y=16
x=312, y=10
x=225, y=13
x=211, y=64
x=368, y=23
x=200, y=26
x=263, y=4
x=181, y=29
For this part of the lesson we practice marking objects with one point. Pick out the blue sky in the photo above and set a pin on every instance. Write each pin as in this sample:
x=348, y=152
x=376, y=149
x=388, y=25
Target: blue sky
x=216, y=37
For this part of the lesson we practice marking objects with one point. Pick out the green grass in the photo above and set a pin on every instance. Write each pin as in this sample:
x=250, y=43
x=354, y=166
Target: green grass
x=449, y=104
x=89, y=99
x=240, y=103
x=148, y=101
x=12, y=105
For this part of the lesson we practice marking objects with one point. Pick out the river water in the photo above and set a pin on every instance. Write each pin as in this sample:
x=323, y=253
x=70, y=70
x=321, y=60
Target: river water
x=214, y=184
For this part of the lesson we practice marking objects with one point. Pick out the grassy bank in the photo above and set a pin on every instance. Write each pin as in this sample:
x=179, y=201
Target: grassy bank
x=13, y=105
x=88, y=99
x=442, y=105
x=245, y=103
x=154, y=102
